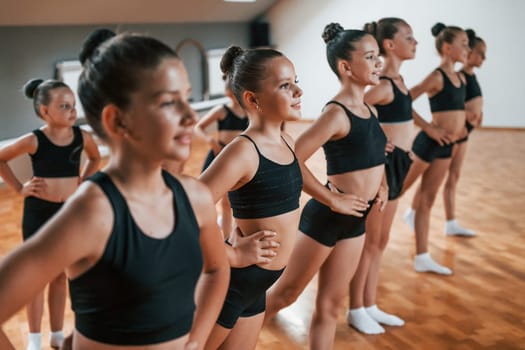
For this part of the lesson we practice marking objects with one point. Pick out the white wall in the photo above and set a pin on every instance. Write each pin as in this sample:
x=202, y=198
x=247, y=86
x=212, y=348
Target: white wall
x=296, y=27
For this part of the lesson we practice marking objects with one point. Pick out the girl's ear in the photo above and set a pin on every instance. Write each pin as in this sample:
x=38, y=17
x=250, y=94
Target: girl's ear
x=344, y=68
x=112, y=122
x=388, y=44
x=250, y=100
x=43, y=110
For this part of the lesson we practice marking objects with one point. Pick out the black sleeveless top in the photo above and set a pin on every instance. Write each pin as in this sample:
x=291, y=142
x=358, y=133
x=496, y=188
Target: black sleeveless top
x=232, y=122
x=275, y=189
x=51, y=160
x=473, y=88
x=362, y=148
x=397, y=111
x=450, y=98
x=141, y=291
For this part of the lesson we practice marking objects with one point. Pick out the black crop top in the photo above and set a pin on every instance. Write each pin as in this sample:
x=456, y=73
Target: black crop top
x=397, y=111
x=232, y=122
x=275, y=189
x=362, y=148
x=51, y=160
x=141, y=291
x=473, y=88
x=450, y=98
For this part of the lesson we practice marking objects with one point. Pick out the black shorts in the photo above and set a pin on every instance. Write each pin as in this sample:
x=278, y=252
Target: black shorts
x=36, y=213
x=396, y=169
x=246, y=293
x=327, y=227
x=428, y=149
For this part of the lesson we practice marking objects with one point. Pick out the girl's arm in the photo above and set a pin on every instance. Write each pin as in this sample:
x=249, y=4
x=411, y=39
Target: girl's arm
x=77, y=234
x=331, y=125
x=380, y=94
x=93, y=156
x=4, y=341
x=215, y=114
x=214, y=279
x=26, y=144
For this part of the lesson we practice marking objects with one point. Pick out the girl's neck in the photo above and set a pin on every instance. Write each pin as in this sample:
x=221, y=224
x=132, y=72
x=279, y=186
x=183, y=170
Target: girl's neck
x=392, y=67
x=265, y=127
x=447, y=64
x=468, y=68
x=352, y=94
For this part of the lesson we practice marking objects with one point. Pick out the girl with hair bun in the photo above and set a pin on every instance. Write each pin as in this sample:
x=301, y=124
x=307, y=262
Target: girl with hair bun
x=54, y=150
x=446, y=91
x=262, y=177
x=133, y=239
x=474, y=114
x=331, y=240
x=394, y=111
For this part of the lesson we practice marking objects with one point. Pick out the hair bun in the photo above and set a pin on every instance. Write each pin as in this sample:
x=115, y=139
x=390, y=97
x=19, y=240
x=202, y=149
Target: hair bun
x=371, y=28
x=331, y=31
x=31, y=86
x=93, y=41
x=229, y=57
x=437, y=28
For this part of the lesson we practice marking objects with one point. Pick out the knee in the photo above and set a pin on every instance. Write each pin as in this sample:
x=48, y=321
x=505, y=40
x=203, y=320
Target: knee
x=329, y=307
x=452, y=180
x=285, y=297
x=426, y=201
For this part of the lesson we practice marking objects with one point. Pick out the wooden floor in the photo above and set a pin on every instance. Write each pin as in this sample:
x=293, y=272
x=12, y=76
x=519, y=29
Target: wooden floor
x=482, y=306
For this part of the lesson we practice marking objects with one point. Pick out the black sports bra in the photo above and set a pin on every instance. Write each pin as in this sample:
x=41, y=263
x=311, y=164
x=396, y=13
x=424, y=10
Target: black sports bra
x=473, y=88
x=397, y=111
x=232, y=122
x=362, y=148
x=275, y=189
x=51, y=160
x=450, y=98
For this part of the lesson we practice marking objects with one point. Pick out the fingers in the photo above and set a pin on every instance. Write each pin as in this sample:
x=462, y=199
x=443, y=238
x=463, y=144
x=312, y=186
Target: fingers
x=263, y=235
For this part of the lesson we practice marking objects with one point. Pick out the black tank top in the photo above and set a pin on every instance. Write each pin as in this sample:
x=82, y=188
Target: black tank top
x=397, y=111
x=141, y=291
x=450, y=98
x=362, y=148
x=473, y=88
x=51, y=160
x=232, y=122
x=275, y=189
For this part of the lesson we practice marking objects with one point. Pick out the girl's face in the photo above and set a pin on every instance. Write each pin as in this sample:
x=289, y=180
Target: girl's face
x=365, y=64
x=459, y=48
x=279, y=96
x=477, y=54
x=404, y=42
x=159, y=121
x=61, y=110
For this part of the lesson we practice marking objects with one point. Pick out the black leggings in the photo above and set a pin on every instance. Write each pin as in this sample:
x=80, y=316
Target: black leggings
x=36, y=213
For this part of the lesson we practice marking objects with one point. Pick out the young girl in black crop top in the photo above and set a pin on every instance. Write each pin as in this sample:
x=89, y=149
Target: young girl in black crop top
x=473, y=110
x=394, y=106
x=263, y=177
x=331, y=240
x=231, y=120
x=55, y=151
x=134, y=240
x=446, y=91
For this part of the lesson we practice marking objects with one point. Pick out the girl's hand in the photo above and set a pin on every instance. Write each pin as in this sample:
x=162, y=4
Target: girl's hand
x=389, y=147
x=382, y=197
x=35, y=187
x=257, y=248
x=439, y=135
x=347, y=203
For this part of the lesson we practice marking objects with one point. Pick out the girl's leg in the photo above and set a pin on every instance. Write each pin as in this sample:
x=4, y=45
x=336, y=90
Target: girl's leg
x=431, y=180
x=449, y=192
x=35, y=310
x=245, y=333
x=217, y=337
x=416, y=169
x=334, y=276
x=356, y=315
x=306, y=259
x=57, y=304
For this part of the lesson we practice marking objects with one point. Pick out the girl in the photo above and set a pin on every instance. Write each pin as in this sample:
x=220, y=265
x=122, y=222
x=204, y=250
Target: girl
x=473, y=110
x=55, y=151
x=354, y=146
x=394, y=106
x=133, y=240
x=229, y=125
x=263, y=176
x=446, y=91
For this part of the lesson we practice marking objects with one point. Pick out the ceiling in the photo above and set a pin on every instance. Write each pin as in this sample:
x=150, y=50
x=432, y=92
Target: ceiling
x=78, y=12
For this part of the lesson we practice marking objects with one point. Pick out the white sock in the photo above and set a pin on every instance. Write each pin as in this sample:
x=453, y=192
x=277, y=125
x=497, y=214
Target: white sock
x=382, y=317
x=410, y=216
x=56, y=339
x=34, y=341
x=425, y=263
x=360, y=320
x=452, y=228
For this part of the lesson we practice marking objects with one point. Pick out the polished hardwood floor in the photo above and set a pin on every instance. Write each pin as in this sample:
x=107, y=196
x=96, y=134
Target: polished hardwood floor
x=481, y=306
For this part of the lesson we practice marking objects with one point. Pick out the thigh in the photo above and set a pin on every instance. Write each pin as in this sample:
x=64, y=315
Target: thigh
x=434, y=175
x=417, y=168
x=245, y=333
x=457, y=158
